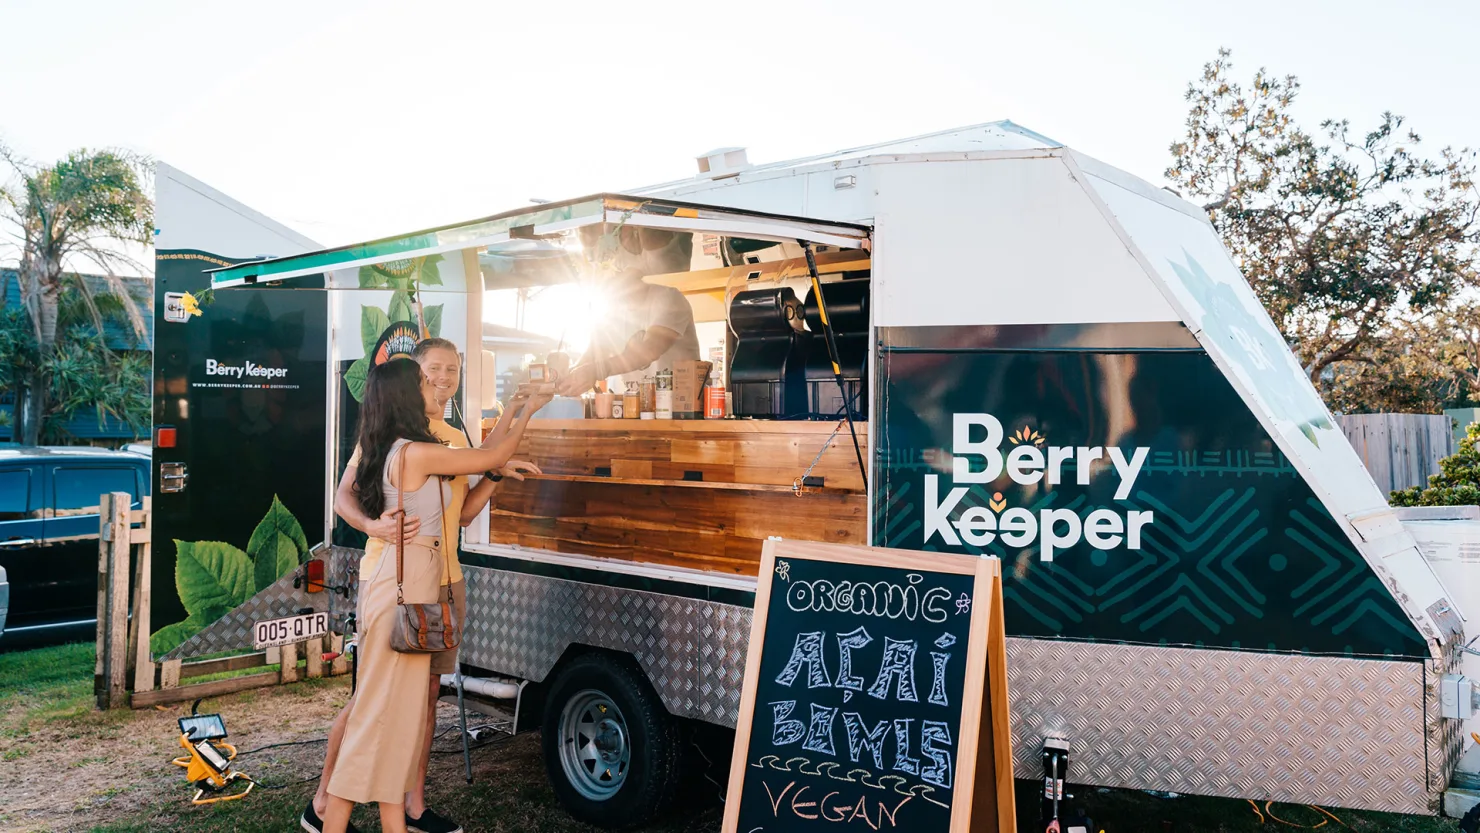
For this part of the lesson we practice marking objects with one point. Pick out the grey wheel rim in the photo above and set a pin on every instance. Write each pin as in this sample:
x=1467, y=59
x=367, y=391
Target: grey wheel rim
x=595, y=745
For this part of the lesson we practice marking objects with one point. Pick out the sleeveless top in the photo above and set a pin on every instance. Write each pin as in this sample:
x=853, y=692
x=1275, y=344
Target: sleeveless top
x=422, y=503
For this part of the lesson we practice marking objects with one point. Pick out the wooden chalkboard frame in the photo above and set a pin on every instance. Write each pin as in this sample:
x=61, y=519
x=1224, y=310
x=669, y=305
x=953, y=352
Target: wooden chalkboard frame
x=984, y=756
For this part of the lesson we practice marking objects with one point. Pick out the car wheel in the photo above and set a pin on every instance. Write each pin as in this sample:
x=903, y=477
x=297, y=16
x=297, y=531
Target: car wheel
x=610, y=748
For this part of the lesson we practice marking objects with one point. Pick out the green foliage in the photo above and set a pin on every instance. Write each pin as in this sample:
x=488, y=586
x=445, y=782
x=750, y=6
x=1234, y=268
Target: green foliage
x=1458, y=480
x=1345, y=238
x=213, y=577
x=356, y=376
x=277, y=545
x=404, y=274
x=373, y=322
x=401, y=308
x=81, y=373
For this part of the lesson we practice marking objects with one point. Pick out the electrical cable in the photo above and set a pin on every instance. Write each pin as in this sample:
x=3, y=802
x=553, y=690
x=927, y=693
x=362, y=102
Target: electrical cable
x=1268, y=812
x=325, y=738
x=281, y=745
x=708, y=766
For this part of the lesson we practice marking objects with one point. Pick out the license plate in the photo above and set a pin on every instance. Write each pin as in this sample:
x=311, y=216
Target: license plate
x=275, y=632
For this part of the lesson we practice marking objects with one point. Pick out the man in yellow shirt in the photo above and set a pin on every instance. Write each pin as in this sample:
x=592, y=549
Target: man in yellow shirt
x=442, y=365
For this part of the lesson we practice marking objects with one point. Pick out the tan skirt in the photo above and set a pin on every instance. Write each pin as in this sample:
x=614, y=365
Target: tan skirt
x=387, y=720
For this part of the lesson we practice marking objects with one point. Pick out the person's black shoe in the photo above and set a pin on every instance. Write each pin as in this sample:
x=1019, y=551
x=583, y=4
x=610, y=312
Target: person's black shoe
x=311, y=822
x=430, y=822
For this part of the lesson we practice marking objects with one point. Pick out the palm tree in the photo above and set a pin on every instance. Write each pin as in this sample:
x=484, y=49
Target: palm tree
x=85, y=209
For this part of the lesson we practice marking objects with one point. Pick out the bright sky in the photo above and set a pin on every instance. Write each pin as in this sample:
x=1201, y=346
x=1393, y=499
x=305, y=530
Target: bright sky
x=350, y=121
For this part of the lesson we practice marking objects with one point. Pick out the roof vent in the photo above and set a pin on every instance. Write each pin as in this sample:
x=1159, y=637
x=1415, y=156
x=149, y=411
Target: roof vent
x=723, y=162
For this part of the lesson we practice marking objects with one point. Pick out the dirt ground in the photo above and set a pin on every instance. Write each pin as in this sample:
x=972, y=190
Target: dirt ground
x=65, y=768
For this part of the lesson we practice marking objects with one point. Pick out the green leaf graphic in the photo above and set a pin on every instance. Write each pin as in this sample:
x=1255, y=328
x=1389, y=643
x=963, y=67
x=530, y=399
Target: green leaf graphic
x=211, y=575
x=400, y=308
x=370, y=279
x=273, y=563
x=434, y=320
x=373, y=322
x=430, y=274
x=355, y=377
x=278, y=520
x=170, y=637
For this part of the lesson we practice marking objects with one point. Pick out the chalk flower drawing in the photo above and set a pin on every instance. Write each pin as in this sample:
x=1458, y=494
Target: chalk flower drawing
x=783, y=569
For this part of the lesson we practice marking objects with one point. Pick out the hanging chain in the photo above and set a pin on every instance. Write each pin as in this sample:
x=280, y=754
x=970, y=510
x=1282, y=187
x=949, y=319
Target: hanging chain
x=800, y=483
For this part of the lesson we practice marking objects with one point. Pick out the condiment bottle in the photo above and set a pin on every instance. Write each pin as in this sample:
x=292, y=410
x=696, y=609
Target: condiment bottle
x=648, y=398
x=714, y=397
x=664, y=399
x=630, y=407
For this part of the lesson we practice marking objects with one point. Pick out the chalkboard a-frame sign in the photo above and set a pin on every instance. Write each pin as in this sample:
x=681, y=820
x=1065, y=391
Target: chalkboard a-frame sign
x=875, y=695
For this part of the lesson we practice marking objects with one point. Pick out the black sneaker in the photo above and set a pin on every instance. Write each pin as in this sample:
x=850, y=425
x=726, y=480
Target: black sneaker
x=311, y=822
x=430, y=822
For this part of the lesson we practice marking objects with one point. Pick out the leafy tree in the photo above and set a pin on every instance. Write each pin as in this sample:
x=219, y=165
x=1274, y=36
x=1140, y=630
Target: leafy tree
x=77, y=211
x=1458, y=480
x=1414, y=367
x=1343, y=236
x=82, y=371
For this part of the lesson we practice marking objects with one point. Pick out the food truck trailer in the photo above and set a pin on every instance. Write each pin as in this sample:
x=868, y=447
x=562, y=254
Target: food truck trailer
x=1041, y=358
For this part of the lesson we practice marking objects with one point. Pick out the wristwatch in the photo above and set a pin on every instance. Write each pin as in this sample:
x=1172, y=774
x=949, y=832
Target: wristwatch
x=494, y=477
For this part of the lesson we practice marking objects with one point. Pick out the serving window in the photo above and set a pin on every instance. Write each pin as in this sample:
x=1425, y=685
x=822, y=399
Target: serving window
x=717, y=341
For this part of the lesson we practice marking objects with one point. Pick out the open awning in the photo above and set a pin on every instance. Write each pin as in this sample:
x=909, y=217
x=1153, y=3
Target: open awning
x=538, y=221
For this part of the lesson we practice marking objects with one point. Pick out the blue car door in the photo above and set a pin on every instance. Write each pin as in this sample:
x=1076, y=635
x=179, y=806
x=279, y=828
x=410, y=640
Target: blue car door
x=71, y=529
x=22, y=504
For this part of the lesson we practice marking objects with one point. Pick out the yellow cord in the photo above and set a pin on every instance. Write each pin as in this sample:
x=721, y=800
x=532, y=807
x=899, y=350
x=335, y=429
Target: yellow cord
x=1269, y=812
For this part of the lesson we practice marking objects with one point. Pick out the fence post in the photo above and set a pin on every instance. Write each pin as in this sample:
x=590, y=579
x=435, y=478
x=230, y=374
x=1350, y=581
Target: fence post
x=141, y=659
x=288, y=669
x=111, y=666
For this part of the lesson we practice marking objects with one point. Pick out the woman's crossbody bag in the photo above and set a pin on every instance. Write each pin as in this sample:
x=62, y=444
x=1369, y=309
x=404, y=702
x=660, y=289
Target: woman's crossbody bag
x=427, y=627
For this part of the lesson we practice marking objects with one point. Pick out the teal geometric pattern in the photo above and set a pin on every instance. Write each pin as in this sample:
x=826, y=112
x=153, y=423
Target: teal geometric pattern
x=1240, y=555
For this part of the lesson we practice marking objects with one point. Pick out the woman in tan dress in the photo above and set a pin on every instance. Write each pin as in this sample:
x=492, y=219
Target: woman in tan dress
x=387, y=717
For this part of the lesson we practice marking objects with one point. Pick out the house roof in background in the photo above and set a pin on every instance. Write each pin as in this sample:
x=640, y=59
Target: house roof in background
x=118, y=334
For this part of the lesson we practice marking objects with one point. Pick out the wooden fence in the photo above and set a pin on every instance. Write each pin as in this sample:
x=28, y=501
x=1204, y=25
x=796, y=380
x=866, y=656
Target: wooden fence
x=126, y=674
x=1399, y=450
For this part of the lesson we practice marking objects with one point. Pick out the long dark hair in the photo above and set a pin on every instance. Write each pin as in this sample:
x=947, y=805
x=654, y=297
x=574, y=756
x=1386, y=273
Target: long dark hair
x=394, y=409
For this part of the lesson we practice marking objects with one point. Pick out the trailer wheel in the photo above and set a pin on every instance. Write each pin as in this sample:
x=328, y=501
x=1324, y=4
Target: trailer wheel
x=611, y=750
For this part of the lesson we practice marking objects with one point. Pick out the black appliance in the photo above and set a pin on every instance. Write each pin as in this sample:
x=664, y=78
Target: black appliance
x=847, y=311
x=767, y=373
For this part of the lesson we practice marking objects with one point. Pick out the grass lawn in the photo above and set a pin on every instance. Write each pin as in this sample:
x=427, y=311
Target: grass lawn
x=66, y=767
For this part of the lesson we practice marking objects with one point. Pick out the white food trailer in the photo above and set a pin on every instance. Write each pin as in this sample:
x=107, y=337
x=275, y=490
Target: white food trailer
x=1047, y=359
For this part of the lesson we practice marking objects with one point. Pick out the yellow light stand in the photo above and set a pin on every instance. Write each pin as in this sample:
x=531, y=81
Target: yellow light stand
x=208, y=768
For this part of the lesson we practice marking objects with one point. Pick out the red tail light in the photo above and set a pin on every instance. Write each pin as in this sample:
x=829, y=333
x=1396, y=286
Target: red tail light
x=315, y=573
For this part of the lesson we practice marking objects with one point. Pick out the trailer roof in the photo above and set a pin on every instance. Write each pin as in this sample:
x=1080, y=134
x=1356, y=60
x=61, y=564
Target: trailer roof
x=547, y=219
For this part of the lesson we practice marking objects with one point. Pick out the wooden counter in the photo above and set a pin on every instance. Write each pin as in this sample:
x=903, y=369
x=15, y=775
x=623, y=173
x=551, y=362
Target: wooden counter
x=702, y=494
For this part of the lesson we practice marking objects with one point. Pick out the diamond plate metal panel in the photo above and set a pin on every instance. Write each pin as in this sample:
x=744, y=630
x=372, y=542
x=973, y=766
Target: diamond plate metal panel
x=1328, y=731
x=693, y=651
x=1446, y=737
x=233, y=632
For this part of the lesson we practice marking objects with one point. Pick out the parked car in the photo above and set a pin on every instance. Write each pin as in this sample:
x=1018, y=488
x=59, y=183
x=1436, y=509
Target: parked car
x=146, y=449
x=49, y=499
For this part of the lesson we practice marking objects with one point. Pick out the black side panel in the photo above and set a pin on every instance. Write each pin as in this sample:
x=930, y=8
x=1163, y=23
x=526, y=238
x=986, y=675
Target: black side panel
x=243, y=440
x=1239, y=552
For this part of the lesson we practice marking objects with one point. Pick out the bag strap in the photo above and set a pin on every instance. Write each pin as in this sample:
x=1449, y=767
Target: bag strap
x=446, y=568
x=400, y=524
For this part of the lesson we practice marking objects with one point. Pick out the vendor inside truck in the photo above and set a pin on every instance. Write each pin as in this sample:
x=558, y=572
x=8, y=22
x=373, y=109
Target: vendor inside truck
x=647, y=328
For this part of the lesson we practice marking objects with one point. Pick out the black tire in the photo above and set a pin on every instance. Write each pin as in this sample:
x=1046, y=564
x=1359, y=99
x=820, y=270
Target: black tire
x=629, y=714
